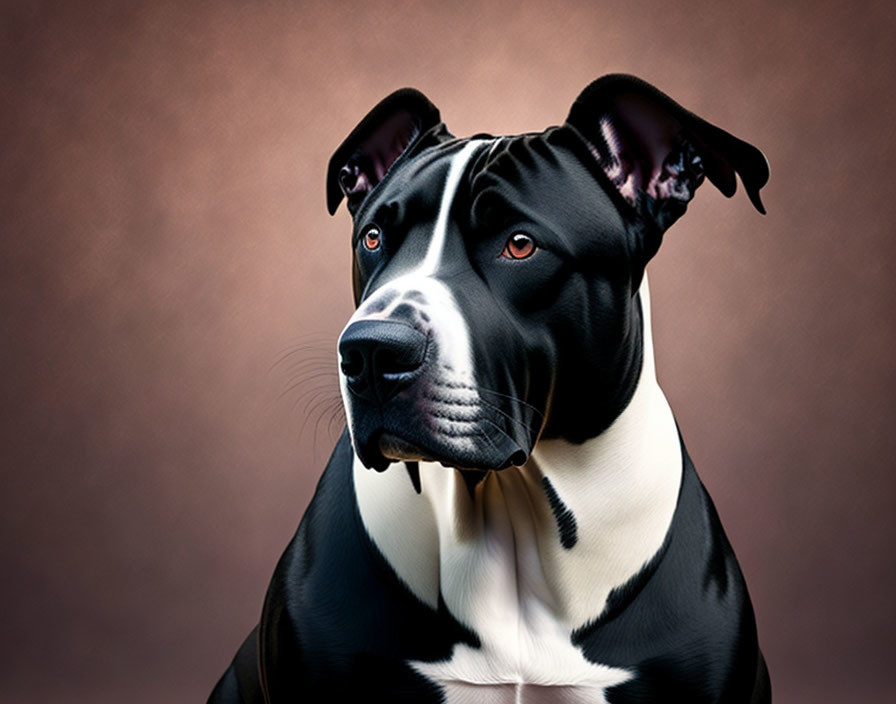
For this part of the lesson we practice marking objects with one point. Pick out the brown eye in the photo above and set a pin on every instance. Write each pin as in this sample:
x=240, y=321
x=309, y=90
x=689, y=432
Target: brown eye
x=519, y=246
x=372, y=238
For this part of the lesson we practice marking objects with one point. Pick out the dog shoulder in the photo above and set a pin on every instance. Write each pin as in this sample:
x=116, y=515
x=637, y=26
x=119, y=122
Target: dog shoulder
x=688, y=613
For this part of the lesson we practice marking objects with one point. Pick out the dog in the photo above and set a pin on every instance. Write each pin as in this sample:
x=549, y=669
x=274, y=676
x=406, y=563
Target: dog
x=511, y=514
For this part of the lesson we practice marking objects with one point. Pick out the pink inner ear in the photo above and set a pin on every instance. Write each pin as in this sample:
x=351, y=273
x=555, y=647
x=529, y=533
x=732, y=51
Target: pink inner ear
x=617, y=164
x=651, y=134
x=646, y=152
x=387, y=143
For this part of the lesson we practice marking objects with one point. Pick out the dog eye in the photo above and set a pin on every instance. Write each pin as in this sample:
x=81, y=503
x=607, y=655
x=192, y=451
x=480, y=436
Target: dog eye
x=372, y=238
x=519, y=246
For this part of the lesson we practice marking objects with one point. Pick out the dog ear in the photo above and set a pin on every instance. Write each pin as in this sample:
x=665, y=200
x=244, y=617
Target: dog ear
x=656, y=153
x=362, y=160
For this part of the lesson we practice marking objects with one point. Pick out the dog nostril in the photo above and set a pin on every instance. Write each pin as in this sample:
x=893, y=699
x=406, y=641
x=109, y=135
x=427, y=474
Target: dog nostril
x=352, y=364
x=389, y=361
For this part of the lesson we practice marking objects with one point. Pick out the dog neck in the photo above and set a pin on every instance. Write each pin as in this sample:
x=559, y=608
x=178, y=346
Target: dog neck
x=549, y=540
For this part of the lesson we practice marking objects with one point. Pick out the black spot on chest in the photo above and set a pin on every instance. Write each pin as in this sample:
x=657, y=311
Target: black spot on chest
x=566, y=521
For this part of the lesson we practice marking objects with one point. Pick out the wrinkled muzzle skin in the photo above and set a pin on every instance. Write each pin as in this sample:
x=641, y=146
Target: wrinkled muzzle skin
x=461, y=354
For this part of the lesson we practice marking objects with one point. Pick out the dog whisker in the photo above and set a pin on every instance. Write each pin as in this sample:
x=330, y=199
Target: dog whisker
x=493, y=407
x=308, y=384
x=485, y=435
x=327, y=409
x=310, y=345
x=338, y=412
x=320, y=405
x=322, y=363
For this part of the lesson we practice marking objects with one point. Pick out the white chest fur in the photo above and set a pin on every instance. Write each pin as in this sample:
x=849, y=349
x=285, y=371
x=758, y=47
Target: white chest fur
x=497, y=560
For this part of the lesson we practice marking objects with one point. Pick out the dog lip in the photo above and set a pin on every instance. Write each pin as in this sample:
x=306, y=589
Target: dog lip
x=397, y=449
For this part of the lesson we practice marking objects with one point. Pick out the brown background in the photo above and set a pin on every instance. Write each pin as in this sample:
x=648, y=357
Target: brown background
x=165, y=242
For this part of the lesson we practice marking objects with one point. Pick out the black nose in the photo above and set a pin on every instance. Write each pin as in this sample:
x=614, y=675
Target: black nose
x=380, y=357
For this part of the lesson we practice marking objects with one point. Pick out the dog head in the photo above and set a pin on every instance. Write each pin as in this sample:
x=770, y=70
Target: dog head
x=496, y=279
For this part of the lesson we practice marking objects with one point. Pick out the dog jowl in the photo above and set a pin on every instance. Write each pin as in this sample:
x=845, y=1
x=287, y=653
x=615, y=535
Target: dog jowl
x=511, y=515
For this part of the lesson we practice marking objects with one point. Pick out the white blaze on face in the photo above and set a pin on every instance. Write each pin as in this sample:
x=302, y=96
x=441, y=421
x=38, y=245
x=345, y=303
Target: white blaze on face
x=448, y=328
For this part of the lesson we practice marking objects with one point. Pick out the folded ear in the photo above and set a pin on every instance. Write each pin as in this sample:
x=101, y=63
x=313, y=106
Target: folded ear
x=656, y=153
x=363, y=159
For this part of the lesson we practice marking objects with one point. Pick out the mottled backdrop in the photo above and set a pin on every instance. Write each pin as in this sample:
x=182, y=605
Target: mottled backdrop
x=171, y=289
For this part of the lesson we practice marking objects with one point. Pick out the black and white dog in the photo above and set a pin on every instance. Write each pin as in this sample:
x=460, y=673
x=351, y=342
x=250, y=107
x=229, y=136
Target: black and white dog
x=511, y=515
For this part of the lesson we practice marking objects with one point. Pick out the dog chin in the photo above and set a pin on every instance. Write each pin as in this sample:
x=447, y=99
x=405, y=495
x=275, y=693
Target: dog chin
x=397, y=450
x=388, y=448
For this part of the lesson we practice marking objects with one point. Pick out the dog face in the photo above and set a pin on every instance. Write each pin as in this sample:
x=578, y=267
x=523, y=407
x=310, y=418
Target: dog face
x=496, y=278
